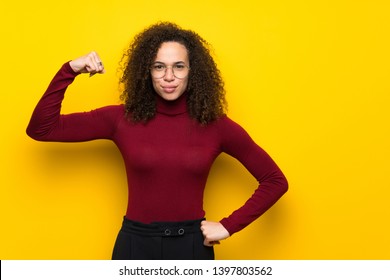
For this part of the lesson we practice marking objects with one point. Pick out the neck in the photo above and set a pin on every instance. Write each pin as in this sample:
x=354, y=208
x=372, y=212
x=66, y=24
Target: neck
x=174, y=107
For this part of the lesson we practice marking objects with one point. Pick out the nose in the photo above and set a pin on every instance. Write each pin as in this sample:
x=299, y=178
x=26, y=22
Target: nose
x=169, y=76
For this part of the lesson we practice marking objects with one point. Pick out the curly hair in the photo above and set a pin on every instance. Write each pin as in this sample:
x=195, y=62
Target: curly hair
x=205, y=90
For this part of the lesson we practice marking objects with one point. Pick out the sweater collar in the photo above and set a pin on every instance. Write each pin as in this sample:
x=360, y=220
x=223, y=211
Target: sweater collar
x=174, y=107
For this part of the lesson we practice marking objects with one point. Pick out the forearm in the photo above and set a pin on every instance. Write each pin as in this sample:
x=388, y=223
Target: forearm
x=46, y=115
x=265, y=196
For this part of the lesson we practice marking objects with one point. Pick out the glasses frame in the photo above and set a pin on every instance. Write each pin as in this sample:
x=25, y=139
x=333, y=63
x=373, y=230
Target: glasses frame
x=164, y=72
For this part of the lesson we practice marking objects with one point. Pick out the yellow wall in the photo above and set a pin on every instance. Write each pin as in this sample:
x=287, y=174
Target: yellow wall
x=309, y=80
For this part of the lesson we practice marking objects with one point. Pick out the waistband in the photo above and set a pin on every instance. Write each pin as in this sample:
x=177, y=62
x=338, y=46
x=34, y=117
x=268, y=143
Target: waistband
x=161, y=228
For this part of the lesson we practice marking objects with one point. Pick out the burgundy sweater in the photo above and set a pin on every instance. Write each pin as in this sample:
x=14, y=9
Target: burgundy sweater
x=167, y=159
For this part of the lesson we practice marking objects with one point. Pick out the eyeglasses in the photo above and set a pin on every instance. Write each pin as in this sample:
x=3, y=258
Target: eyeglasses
x=179, y=70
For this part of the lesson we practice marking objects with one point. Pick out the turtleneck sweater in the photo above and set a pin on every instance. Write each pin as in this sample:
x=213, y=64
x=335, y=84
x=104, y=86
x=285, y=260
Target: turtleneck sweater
x=167, y=159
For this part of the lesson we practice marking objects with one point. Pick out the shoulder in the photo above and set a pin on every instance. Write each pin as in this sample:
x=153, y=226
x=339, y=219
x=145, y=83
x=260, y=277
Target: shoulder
x=226, y=124
x=232, y=135
x=111, y=109
x=114, y=112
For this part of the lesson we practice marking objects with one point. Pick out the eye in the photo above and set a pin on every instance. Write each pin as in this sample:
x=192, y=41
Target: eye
x=179, y=66
x=158, y=67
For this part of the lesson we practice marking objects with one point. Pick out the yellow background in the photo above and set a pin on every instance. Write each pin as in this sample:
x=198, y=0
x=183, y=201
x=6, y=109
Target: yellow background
x=309, y=80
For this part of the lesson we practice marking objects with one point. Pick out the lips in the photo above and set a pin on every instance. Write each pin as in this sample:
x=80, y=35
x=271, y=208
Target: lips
x=169, y=89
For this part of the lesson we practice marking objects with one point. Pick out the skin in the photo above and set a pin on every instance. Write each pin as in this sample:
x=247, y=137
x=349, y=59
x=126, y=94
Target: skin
x=169, y=88
x=89, y=63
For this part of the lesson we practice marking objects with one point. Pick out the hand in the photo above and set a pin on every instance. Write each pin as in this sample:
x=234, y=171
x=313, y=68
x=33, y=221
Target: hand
x=213, y=232
x=89, y=63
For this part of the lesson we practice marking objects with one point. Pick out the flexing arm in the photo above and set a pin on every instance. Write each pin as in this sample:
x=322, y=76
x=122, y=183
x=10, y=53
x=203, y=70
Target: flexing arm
x=47, y=123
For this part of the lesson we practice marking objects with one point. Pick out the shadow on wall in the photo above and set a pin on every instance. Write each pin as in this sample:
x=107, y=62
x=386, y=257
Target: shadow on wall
x=74, y=158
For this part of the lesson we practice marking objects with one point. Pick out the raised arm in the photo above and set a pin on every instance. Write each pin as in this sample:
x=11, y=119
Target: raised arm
x=47, y=123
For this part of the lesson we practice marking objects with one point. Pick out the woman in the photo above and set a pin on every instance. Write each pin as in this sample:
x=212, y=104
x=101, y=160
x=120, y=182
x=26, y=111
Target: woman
x=170, y=129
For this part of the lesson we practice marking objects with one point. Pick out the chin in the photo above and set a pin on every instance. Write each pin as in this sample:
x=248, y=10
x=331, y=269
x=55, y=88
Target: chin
x=170, y=97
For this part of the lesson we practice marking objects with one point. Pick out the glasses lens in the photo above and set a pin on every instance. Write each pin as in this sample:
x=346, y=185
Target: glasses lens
x=158, y=70
x=180, y=71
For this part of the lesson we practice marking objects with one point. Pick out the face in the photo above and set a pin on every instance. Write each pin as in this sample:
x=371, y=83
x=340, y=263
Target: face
x=171, y=54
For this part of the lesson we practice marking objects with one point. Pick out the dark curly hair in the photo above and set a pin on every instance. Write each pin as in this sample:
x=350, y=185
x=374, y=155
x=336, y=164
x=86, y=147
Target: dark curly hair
x=205, y=91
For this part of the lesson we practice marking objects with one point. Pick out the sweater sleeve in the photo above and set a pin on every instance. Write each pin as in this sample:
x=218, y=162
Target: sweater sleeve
x=48, y=124
x=236, y=142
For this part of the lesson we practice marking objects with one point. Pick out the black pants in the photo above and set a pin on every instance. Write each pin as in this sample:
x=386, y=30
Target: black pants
x=161, y=241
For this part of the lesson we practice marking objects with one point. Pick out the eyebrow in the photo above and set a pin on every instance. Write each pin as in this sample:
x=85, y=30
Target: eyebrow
x=177, y=62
